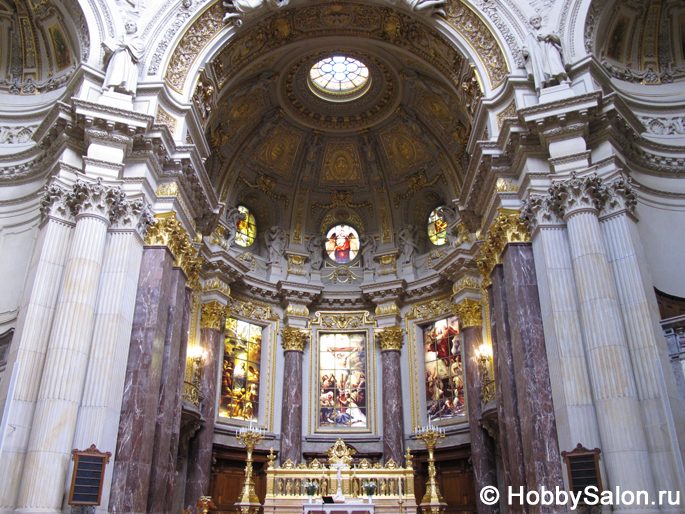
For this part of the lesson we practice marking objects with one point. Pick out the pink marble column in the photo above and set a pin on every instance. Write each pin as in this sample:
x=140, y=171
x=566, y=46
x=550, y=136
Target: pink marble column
x=482, y=445
x=163, y=468
x=393, y=427
x=200, y=451
x=533, y=388
x=139, y=407
x=291, y=414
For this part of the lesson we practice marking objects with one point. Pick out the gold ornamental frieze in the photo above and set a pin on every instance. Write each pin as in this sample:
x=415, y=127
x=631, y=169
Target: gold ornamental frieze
x=507, y=227
x=352, y=319
x=277, y=152
x=390, y=338
x=251, y=310
x=470, y=313
x=431, y=308
x=212, y=315
x=341, y=164
x=294, y=338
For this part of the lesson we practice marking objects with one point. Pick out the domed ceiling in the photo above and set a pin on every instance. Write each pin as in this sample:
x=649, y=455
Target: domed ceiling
x=302, y=159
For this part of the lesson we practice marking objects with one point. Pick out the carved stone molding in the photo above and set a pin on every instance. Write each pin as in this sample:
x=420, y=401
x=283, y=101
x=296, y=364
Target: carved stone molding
x=294, y=339
x=136, y=215
x=168, y=231
x=578, y=194
x=53, y=203
x=507, y=227
x=539, y=211
x=620, y=198
x=390, y=338
x=212, y=315
x=95, y=199
x=251, y=310
x=470, y=313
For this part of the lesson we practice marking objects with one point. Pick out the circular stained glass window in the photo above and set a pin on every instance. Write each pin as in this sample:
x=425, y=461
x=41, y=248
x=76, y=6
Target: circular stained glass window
x=437, y=227
x=342, y=243
x=340, y=78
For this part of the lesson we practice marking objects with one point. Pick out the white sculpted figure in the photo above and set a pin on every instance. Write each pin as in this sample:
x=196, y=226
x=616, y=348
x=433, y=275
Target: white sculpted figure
x=122, y=68
x=276, y=240
x=233, y=217
x=425, y=7
x=244, y=9
x=315, y=249
x=408, y=243
x=543, y=53
x=368, y=248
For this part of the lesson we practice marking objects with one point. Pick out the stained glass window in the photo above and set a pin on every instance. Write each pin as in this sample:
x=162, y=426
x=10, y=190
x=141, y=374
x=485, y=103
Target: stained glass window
x=444, y=370
x=342, y=380
x=240, y=370
x=342, y=243
x=437, y=227
x=247, y=228
x=339, y=74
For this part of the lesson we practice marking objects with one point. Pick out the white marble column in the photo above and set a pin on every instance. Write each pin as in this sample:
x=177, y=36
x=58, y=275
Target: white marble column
x=61, y=387
x=624, y=446
x=641, y=317
x=33, y=325
x=98, y=415
x=574, y=409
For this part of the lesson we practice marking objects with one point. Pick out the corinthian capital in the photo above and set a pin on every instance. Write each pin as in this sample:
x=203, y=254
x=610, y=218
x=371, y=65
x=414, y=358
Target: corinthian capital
x=135, y=214
x=294, y=339
x=621, y=197
x=390, y=338
x=93, y=198
x=212, y=315
x=53, y=202
x=470, y=313
x=578, y=194
x=539, y=211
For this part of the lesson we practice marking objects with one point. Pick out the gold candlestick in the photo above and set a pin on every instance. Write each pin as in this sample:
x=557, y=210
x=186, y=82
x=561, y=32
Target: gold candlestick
x=432, y=501
x=249, y=502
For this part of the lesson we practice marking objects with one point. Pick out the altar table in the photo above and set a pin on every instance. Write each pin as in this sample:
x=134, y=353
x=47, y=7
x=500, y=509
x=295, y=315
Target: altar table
x=339, y=508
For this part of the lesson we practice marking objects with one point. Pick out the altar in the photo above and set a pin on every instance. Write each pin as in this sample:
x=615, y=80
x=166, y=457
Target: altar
x=339, y=508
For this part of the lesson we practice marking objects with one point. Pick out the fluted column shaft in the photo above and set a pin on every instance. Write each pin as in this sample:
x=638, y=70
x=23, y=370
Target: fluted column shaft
x=640, y=317
x=200, y=451
x=507, y=398
x=482, y=445
x=98, y=417
x=62, y=382
x=536, y=410
x=613, y=384
x=31, y=340
x=140, y=400
x=294, y=341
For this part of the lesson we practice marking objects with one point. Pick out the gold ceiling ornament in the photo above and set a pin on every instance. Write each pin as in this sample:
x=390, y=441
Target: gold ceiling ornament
x=416, y=183
x=470, y=313
x=168, y=231
x=341, y=164
x=353, y=319
x=477, y=33
x=295, y=309
x=342, y=199
x=265, y=185
x=402, y=149
x=165, y=118
x=508, y=112
x=278, y=151
x=296, y=264
x=507, y=227
x=341, y=216
x=167, y=189
x=251, y=310
x=390, y=338
x=212, y=315
x=294, y=338
x=387, y=264
x=431, y=308
x=506, y=185
x=216, y=284
x=388, y=308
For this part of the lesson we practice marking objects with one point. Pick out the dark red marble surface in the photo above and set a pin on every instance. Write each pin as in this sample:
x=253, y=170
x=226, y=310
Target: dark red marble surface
x=393, y=427
x=291, y=415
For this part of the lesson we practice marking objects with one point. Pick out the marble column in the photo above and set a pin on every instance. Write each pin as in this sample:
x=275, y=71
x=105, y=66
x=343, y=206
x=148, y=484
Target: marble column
x=31, y=337
x=624, y=451
x=390, y=342
x=483, y=456
x=574, y=408
x=533, y=388
x=61, y=387
x=140, y=400
x=173, y=456
x=162, y=467
x=294, y=340
x=98, y=416
x=200, y=451
x=643, y=331
x=507, y=398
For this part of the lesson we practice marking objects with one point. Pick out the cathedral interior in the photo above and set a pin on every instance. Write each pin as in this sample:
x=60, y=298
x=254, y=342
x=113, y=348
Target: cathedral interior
x=398, y=253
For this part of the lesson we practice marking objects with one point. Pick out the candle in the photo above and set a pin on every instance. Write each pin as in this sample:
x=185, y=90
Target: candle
x=399, y=481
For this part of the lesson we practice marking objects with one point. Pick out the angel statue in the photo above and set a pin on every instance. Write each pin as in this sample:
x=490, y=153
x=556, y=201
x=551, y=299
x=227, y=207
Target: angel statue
x=276, y=240
x=368, y=243
x=315, y=249
x=543, y=57
x=240, y=10
x=408, y=239
x=126, y=52
x=233, y=219
x=425, y=7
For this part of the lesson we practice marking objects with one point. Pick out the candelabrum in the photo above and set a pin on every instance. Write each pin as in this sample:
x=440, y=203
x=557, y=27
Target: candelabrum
x=432, y=501
x=249, y=436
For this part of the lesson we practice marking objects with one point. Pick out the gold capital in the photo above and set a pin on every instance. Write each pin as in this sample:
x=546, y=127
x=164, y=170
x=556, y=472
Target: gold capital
x=168, y=231
x=390, y=338
x=507, y=227
x=212, y=315
x=470, y=313
x=294, y=338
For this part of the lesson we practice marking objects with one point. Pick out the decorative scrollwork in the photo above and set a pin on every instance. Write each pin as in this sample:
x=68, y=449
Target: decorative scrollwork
x=342, y=320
